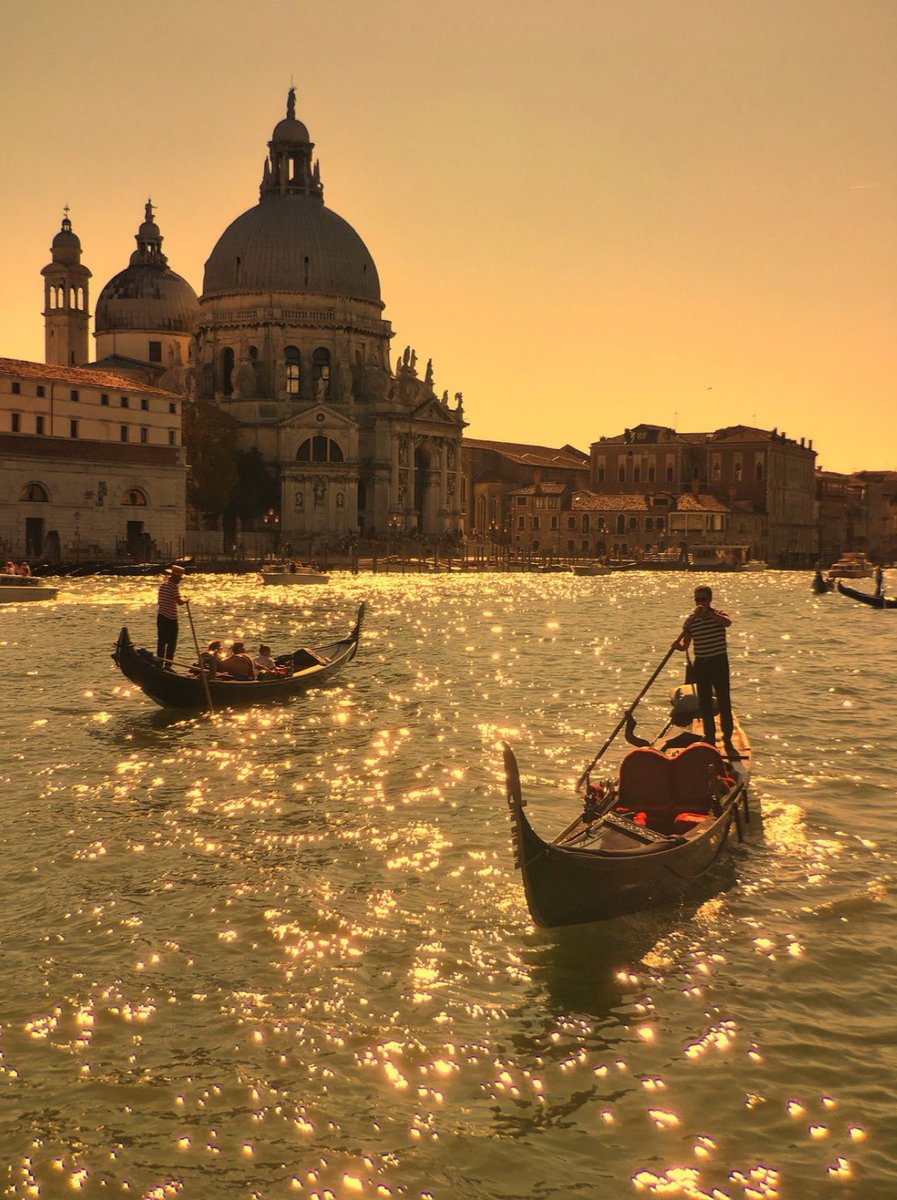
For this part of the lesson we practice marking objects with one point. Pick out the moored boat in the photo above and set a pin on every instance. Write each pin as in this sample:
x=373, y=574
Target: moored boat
x=865, y=597
x=307, y=667
x=594, y=568
x=20, y=589
x=292, y=573
x=642, y=839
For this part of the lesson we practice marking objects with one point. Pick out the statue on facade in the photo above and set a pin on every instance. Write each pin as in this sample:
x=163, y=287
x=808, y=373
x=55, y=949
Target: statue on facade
x=319, y=490
x=321, y=389
x=299, y=501
x=428, y=378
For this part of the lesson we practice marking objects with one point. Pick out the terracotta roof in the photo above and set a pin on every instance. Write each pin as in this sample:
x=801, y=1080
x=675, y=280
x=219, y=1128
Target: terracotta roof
x=595, y=503
x=540, y=489
x=79, y=376
x=689, y=502
x=535, y=456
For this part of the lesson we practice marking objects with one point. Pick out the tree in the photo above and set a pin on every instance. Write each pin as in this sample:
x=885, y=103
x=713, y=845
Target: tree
x=210, y=439
x=256, y=490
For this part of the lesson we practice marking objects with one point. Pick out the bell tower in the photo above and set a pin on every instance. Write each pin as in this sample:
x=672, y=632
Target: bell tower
x=66, y=311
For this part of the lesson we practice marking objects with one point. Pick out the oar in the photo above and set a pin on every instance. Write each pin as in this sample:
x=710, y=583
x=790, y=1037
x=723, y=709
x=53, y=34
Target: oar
x=202, y=670
x=663, y=662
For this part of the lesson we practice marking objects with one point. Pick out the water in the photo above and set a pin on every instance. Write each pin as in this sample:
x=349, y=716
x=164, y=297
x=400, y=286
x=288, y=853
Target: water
x=284, y=952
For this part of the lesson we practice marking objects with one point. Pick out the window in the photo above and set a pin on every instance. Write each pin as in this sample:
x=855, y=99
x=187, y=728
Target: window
x=172, y=437
x=73, y=429
x=536, y=522
x=554, y=522
x=134, y=497
x=227, y=371
x=621, y=472
x=621, y=524
x=520, y=501
x=637, y=473
x=38, y=424
x=633, y=522
x=144, y=404
x=123, y=432
x=144, y=435
x=41, y=390
x=320, y=449
x=16, y=389
x=601, y=472
x=155, y=351
x=571, y=522
x=586, y=523
x=172, y=407
x=293, y=362
x=571, y=545
x=125, y=402
x=736, y=470
x=521, y=522
x=649, y=524
x=34, y=493
x=75, y=395
x=652, y=472
x=758, y=470
x=104, y=400
x=16, y=421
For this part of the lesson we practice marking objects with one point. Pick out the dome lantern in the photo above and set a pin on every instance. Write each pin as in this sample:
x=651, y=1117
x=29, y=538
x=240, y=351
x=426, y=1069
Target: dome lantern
x=288, y=169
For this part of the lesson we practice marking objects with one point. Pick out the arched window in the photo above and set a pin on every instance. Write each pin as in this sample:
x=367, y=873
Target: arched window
x=34, y=493
x=134, y=497
x=320, y=369
x=227, y=371
x=320, y=449
x=293, y=361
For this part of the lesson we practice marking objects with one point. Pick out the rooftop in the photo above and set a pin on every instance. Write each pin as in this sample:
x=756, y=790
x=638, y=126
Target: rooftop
x=77, y=376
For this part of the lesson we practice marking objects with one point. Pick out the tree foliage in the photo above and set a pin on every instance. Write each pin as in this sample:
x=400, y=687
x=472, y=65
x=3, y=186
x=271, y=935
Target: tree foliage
x=257, y=487
x=210, y=439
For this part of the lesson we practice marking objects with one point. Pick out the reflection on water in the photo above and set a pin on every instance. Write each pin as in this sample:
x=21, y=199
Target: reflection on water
x=284, y=951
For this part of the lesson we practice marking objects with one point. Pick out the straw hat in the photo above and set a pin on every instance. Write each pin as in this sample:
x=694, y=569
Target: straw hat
x=176, y=570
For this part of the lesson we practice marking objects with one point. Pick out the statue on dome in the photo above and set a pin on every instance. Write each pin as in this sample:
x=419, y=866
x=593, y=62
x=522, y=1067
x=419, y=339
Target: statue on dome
x=291, y=104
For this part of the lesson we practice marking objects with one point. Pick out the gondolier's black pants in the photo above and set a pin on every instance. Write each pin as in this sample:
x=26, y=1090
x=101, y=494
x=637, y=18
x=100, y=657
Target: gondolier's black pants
x=712, y=676
x=167, y=628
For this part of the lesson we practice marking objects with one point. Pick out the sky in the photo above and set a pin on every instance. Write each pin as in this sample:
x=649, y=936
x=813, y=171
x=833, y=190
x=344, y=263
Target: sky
x=588, y=213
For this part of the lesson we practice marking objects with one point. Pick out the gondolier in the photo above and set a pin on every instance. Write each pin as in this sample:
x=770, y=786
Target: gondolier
x=705, y=629
x=167, y=617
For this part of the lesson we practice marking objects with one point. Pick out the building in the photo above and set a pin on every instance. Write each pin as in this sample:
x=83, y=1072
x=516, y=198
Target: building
x=763, y=478
x=92, y=463
x=289, y=340
x=494, y=472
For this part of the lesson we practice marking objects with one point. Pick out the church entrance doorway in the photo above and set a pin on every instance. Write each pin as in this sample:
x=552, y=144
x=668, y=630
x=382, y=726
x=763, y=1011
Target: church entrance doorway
x=34, y=537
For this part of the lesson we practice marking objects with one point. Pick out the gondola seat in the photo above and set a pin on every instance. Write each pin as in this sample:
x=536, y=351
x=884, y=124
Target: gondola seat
x=664, y=788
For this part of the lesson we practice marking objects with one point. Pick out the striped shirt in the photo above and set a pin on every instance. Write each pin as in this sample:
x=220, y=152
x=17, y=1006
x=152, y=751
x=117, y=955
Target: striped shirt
x=708, y=636
x=168, y=598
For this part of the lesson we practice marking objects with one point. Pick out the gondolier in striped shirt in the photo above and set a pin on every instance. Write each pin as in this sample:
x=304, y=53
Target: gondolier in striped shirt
x=167, y=617
x=705, y=630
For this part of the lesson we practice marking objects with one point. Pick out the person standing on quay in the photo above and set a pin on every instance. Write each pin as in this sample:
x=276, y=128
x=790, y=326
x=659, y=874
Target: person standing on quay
x=706, y=628
x=167, y=617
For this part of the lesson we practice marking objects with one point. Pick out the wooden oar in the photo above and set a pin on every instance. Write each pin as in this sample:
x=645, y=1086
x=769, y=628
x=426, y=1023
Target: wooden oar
x=203, y=672
x=584, y=777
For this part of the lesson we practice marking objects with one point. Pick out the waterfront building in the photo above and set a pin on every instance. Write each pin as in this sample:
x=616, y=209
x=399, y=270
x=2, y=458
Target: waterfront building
x=765, y=479
x=92, y=463
x=493, y=473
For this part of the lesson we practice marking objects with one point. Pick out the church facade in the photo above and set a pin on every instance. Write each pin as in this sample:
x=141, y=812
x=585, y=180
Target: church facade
x=289, y=339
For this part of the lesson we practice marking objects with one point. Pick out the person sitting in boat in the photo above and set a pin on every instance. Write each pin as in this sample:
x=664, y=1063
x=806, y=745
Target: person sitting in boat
x=11, y=568
x=265, y=666
x=25, y=570
x=238, y=664
x=211, y=659
x=684, y=709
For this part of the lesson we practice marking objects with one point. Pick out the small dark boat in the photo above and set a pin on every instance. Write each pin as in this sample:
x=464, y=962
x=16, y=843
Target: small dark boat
x=865, y=598
x=641, y=840
x=185, y=689
x=821, y=585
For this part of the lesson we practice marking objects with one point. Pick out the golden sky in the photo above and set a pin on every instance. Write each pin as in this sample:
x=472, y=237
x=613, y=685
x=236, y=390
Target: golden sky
x=589, y=213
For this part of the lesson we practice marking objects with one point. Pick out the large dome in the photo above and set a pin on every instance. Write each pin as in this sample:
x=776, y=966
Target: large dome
x=291, y=243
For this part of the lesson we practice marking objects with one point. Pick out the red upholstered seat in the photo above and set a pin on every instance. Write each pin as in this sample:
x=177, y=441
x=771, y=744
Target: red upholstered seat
x=662, y=787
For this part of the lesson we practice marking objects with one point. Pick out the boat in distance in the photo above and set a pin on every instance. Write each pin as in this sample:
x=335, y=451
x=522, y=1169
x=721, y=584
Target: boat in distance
x=292, y=573
x=852, y=564
x=866, y=597
x=19, y=589
x=186, y=688
x=642, y=840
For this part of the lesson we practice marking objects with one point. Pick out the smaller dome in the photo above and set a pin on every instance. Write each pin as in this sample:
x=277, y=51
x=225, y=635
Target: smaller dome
x=147, y=297
x=66, y=247
x=291, y=131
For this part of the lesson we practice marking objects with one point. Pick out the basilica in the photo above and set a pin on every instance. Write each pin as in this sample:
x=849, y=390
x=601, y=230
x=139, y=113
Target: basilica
x=288, y=337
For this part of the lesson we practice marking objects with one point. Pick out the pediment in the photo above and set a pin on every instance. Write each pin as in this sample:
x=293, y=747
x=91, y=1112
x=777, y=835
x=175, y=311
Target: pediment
x=319, y=416
x=433, y=410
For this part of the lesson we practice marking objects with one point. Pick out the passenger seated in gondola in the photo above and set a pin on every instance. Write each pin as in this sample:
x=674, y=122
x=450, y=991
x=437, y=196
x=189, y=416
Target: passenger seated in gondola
x=263, y=660
x=211, y=658
x=684, y=709
x=238, y=664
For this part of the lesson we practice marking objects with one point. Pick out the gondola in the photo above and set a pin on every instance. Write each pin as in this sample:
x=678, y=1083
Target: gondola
x=185, y=689
x=865, y=598
x=821, y=585
x=642, y=839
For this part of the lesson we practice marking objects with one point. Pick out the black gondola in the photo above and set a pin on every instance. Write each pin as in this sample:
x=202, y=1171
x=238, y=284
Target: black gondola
x=865, y=597
x=181, y=689
x=659, y=827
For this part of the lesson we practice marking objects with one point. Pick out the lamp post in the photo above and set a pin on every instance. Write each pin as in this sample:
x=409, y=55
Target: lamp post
x=271, y=522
